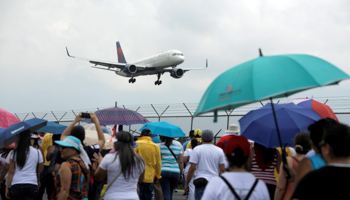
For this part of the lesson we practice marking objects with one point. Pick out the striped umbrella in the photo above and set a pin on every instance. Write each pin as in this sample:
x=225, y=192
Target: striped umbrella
x=7, y=119
x=121, y=116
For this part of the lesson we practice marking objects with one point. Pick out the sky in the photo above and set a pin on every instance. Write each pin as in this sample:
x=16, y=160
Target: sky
x=37, y=75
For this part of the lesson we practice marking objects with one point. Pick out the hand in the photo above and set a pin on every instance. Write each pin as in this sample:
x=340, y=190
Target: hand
x=98, y=158
x=94, y=118
x=155, y=180
x=7, y=193
x=181, y=177
x=39, y=184
x=78, y=118
x=186, y=187
x=1, y=181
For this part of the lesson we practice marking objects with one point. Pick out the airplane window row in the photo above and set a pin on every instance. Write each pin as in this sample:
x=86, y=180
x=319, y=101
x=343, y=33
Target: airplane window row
x=178, y=54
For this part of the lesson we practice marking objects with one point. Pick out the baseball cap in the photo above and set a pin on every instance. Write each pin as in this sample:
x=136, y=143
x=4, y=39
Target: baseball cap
x=235, y=142
x=197, y=133
x=207, y=135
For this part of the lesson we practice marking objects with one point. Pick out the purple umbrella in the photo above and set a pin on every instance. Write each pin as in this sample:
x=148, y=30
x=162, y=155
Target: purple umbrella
x=121, y=116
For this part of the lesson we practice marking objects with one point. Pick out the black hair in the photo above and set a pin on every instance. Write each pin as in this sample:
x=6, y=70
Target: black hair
x=78, y=132
x=127, y=156
x=167, y=141
x=302, y=142
x=194, y=143
x=146, y=132
x=56, y=137
x=4, y=152
x=22, y=148
x=191, y=133
x=237, y=158
x=318, y=129
x=338, y=137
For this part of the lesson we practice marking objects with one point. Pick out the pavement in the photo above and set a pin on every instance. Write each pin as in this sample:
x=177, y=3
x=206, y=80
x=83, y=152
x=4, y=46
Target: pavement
x=178, y=195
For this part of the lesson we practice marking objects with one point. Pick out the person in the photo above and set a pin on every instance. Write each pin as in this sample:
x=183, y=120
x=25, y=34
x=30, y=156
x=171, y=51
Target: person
x=316, y=161
x=191, y=136
x=46, y=142
x=232, y=131
x=72, y=179
x=172, y=166
x=124, y=162
x=238, y=182
x=150, y=152
x=26, y=163
x=330, y=181
x=186, y=158
x=264, y=161
x=51, y=154
x=302, y=144
x=197, y=135
x=4, y=155
x=208, y=161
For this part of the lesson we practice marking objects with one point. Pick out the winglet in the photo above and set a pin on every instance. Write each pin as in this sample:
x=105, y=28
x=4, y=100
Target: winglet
x=68, y=53
x=206, y=64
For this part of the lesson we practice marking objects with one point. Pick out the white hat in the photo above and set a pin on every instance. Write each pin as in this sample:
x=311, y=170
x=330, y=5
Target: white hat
x=233, y=128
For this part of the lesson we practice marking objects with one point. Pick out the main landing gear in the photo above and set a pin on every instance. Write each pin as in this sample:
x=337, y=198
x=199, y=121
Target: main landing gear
x=158, y=82
x=132, y=80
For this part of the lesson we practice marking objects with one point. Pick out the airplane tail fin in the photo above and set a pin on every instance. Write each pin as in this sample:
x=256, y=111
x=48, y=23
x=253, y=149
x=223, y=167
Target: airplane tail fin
x=121, y=58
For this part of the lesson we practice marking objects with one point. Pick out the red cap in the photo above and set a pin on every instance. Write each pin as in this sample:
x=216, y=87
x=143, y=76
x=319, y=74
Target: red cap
x=11, y=146
x=235, y=142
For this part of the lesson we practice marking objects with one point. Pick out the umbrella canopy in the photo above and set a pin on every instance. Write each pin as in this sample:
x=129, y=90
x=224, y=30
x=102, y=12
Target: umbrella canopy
x=7, y=118
x=322, y=109
x=121, y=116
x=164, y=129
x=52, y=127
x=259, y=125
x=267, y=77
x=11, y=133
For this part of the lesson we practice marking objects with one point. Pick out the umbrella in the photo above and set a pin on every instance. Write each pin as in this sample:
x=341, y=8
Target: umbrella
x=91, y=138
x=259, y=125
x=6, y=119
x=52, y=127
x=121, y=116
x=322, y=109
x=11, y=133
x=164, y=129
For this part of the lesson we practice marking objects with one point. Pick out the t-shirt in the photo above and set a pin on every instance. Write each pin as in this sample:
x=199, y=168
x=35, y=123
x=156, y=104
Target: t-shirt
x=168, y=161
x=188, y=153
x=179, y=144
x=185, y=144
x=122, y=188
x=208, y=158
x=27, y=175
x=329, y=182
x=241, y=182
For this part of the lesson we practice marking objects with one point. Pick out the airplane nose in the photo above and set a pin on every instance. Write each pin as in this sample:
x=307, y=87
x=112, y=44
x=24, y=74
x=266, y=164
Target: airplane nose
x=181, y=59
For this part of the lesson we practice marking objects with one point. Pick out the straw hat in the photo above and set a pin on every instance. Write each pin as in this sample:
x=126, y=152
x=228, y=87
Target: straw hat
x=233, y=128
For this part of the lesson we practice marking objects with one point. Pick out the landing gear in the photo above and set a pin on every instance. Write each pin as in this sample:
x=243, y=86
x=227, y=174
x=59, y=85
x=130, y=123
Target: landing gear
x=158, y=82
x=132, y=80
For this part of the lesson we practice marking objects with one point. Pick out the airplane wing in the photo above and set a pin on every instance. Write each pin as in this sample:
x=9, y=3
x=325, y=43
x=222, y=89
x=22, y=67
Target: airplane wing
x=188, y=69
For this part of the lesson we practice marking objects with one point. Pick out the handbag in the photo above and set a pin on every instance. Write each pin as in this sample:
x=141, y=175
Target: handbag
x=105, y=187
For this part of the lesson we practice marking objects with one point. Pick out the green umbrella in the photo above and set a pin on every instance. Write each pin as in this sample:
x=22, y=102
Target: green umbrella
x=267, y=77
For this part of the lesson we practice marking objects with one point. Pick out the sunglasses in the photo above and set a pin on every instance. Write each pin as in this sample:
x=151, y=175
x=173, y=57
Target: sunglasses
x=63, y=147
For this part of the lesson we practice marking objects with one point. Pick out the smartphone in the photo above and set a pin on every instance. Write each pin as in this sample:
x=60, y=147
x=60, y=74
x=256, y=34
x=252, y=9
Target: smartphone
x=85, y=115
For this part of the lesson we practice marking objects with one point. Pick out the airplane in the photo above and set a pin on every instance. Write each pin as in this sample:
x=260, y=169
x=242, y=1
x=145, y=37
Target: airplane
x=153, y=65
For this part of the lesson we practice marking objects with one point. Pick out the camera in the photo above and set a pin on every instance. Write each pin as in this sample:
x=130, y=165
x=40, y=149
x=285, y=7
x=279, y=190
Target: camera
x=85, y=115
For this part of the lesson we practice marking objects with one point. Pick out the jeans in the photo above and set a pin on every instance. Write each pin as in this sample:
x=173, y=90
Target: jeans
x=198, y=192
x=24, y=192
x=168, y=182
x=146, y=190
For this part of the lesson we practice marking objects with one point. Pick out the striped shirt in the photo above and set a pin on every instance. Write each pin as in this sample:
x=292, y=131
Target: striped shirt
x=168, y=161
x=266, y=173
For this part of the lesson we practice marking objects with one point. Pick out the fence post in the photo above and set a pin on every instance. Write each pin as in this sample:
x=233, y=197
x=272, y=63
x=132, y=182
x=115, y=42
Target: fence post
x=228, y=118
x=191, y=116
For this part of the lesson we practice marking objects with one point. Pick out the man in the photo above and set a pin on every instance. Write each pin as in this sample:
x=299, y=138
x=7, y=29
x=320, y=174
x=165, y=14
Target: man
x=150, y=153
x=191, y=136
x=208, y=161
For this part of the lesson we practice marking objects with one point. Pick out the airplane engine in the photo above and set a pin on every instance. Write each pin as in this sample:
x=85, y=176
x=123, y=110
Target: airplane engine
x=130, y=69
x=177, y=73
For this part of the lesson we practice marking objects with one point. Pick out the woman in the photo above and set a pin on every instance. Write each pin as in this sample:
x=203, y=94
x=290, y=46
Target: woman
x=237, y=182
x=316, y=134
x=52, y=152
x=302, y=145
x=172, y=166
x=4, y=167
x=26, y=163
x=125, y=163
x=186, y=159
x=72, y=178
x=265, y=160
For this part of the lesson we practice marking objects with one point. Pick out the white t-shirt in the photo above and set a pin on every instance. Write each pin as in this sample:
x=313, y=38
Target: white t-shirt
x=188, y=153
x=9, y=157
x=27, y=175
x=121, y=188
x=207, y=157
x=241, y=182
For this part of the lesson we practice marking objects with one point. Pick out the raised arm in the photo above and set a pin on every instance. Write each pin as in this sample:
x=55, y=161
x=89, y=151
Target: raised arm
x=101, y=136
x=67, y=131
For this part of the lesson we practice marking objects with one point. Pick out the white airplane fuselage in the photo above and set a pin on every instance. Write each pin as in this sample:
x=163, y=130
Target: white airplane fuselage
x=156, y=62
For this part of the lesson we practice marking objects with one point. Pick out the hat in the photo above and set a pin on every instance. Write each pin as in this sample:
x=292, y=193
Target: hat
x=105, y=129
x=207, y=135
x=233, y=128
x=235, y=142
x=133, y=143
x=70, y=141
x=146, y=131
x=11, y=146
x=197, y=133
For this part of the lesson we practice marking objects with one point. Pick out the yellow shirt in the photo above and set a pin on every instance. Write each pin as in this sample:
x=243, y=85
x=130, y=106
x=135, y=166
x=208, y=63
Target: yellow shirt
x=150, y=152
x=47, y=141
x=189, y=146
x=289, y=153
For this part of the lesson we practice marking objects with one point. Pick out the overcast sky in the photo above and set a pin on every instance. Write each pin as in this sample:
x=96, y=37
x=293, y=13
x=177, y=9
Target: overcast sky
x=37, y=75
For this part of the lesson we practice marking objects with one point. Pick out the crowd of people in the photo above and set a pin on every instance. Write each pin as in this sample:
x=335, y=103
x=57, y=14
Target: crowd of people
x=151, y=167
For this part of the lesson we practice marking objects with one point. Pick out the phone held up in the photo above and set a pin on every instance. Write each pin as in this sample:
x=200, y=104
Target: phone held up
x=85, y=115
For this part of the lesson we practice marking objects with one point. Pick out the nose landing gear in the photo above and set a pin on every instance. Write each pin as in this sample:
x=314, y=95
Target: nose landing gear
x=132, y=80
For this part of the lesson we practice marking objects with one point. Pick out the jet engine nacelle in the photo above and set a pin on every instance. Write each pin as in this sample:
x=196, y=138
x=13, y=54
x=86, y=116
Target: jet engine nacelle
x=130, y=69
x=177, y=73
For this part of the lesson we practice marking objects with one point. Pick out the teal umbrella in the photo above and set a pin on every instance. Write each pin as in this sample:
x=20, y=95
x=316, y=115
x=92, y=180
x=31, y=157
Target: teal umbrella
x=267, y=77
x=164, y=129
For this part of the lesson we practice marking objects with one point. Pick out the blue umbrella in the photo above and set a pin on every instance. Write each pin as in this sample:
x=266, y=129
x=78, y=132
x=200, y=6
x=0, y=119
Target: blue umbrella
x=164, y=129
x=259, y=125
x=11, y=133
x=52, y=127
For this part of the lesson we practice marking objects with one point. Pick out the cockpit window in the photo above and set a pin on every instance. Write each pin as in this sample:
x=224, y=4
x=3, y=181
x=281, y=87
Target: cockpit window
x=177, y=54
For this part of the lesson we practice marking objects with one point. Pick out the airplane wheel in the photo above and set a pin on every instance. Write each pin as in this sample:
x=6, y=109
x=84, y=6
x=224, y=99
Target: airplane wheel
x=129, y=80
x=133, y=80
x=156, y=83
x=160, y=82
